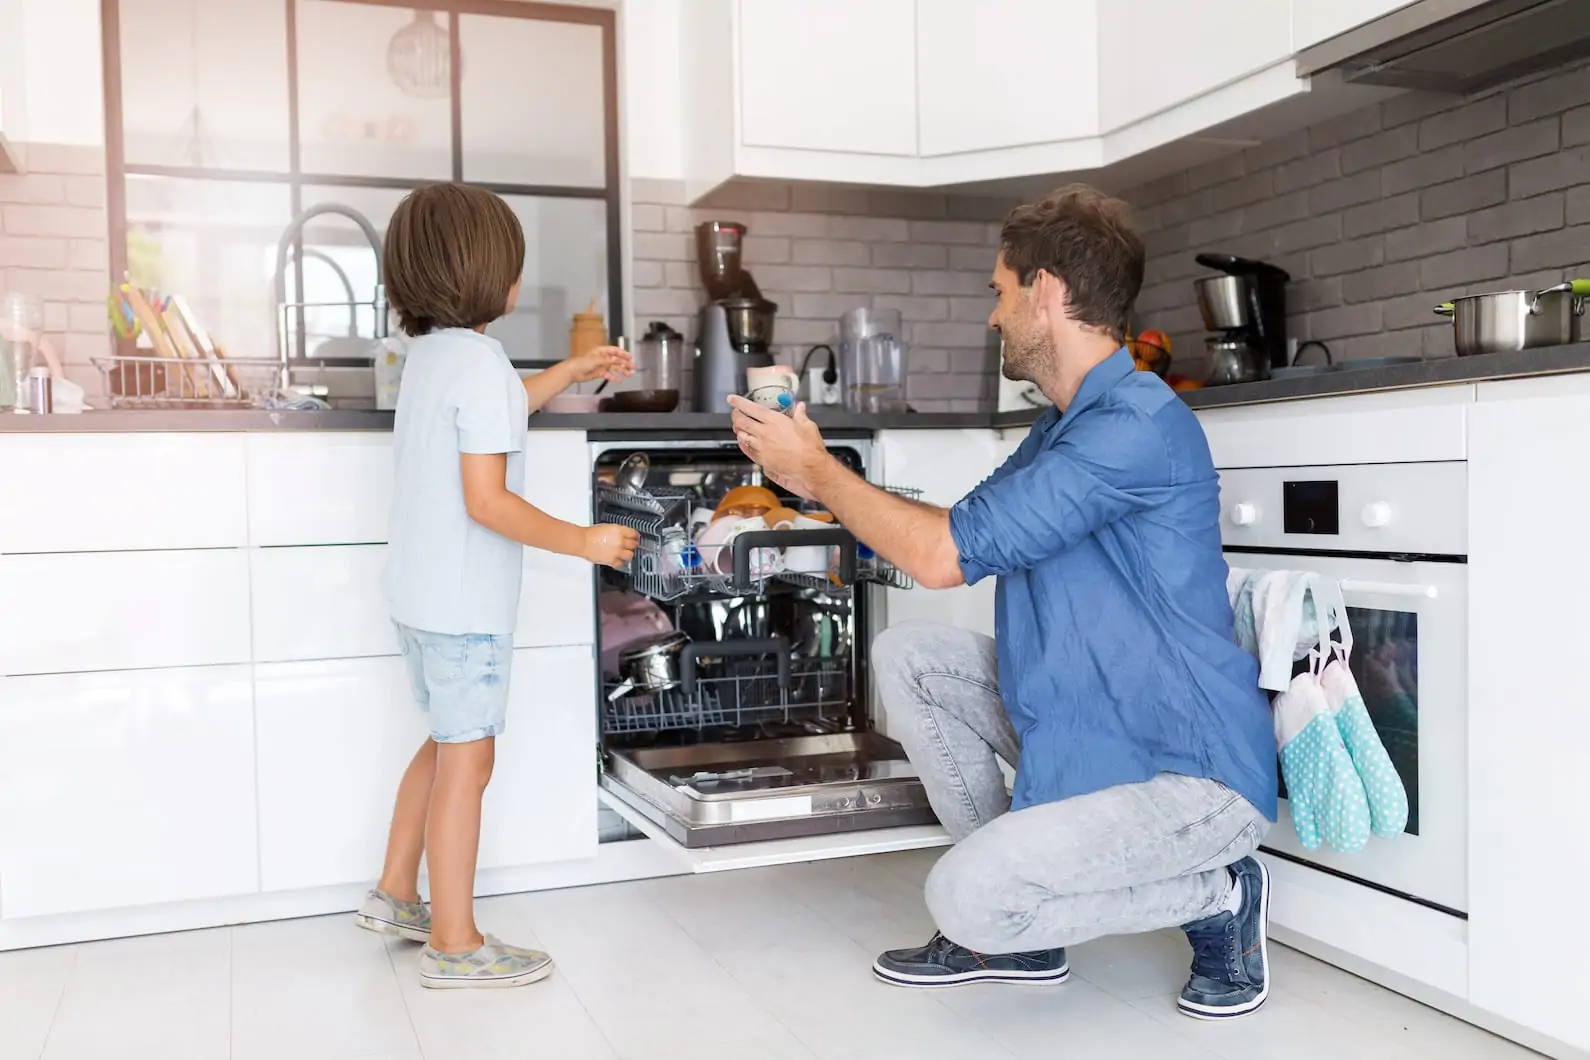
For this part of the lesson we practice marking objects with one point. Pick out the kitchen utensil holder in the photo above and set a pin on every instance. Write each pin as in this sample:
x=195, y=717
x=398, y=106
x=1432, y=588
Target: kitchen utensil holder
x=772, y=687
x=138, y=381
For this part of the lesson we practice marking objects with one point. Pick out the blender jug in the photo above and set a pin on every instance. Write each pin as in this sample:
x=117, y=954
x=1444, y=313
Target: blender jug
x=872, y=361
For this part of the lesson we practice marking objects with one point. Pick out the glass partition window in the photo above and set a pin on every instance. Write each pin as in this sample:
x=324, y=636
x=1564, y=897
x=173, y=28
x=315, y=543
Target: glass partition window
x=228, y=118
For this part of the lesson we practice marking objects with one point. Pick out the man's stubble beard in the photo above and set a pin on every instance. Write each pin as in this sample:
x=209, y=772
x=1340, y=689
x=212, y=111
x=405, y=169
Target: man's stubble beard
x=1027, y=357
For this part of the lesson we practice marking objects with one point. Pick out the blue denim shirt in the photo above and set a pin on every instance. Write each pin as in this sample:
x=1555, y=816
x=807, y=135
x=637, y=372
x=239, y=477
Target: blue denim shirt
x=1114, y=632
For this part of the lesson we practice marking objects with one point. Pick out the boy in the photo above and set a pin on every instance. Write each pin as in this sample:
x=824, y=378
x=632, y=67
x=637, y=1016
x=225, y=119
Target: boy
x=452, y=261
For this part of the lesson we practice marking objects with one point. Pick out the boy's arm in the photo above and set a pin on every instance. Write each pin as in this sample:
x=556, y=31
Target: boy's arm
x=490, y=503
x=600, y=362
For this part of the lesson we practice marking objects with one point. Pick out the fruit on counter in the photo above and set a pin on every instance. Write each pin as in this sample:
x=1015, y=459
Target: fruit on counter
x=1150, y=351
x=1180, y=383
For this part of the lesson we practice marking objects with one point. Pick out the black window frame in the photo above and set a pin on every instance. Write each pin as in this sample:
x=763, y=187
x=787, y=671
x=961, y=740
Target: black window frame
x=117, y=169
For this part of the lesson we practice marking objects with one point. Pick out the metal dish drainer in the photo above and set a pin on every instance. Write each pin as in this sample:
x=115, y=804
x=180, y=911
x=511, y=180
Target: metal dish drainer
x=139, y=381
x=667, y=566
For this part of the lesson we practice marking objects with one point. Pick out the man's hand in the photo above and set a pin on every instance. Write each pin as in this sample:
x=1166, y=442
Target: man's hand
x=609, y=545
x=789, y=449
x=601, y=362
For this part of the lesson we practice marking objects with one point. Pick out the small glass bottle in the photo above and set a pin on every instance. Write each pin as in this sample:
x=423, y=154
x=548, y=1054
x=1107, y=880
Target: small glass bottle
x=21, y=319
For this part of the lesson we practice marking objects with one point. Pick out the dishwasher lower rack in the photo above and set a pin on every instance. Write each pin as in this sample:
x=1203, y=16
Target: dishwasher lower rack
x=726, y=793
x=738, y=694
x=667, y=566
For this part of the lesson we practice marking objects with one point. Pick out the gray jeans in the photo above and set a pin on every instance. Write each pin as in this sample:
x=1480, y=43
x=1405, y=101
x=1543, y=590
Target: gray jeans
x=1137, y=857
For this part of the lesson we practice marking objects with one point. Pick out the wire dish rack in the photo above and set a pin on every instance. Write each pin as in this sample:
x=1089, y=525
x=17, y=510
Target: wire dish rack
x=668, y=566
x=746, y=693
x=163, y=383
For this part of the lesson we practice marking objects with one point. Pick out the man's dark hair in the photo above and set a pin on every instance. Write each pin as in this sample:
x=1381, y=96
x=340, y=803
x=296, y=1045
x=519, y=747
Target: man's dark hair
x=1085, y=239
x=452, y=254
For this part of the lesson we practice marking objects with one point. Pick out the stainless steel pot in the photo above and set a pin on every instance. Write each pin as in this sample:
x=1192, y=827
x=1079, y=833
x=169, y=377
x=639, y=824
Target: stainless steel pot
x=1505, y=321
x=1225, y=302
x=650, y=664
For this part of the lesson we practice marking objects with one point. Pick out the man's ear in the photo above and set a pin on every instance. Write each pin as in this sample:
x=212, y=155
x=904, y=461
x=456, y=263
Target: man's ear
x=1049, y=295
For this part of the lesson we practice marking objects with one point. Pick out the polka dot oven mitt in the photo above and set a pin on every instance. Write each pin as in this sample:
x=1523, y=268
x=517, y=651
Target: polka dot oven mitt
x=1326, y=794
x=1388, y=799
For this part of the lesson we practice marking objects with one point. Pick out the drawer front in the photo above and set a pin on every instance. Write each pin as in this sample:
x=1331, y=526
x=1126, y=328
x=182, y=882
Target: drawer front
x=320, y=603
x=319, y=487
x=1367, y=429
x=557, y=605
x=106, y=492
x=126, y=789
x=69, y=613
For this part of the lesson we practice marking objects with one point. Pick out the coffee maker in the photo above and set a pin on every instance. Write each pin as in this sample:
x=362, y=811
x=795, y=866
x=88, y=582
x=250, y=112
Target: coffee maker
x=1246, y=306
x=735, y=330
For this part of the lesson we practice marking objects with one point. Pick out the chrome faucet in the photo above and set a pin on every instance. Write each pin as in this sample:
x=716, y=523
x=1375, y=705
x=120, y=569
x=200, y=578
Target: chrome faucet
x=284, y=247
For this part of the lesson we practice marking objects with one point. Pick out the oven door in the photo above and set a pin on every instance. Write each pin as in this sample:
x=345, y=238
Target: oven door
x=1409, y=626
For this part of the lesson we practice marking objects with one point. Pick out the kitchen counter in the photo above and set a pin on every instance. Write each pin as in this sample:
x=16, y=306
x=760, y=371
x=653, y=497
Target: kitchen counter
x=1550, y=360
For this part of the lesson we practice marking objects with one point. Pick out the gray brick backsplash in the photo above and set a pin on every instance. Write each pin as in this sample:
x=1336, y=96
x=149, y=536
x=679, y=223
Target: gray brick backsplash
x=1382, y=213
x=1463, y=123
x=910, y=255
x=1463, y=196
x=1423, y=170
x=1445, y=272
x=872, y=281
x=1544, y=213
x=1348, y=256
x=948, y=283
x=1379, y=149
x=1395, y=212
x=974, y=259
x=1432, y=237
x=769, y=250
x=829, y=252
x=647, y=274
x=1512, y=144
x=948, y=232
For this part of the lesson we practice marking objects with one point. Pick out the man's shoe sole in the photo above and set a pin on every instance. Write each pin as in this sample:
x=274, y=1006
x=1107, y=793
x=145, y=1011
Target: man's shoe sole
x=1047, y=977
x=1246, y=1008
x=387, y=927
x=466, y=982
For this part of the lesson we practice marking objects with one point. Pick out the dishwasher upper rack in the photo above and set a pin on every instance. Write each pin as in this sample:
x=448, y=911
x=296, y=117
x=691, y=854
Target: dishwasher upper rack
x=668, y=567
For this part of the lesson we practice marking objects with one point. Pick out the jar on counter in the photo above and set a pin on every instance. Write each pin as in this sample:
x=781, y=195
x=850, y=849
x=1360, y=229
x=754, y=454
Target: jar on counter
x=21, y=320
x=587, y=330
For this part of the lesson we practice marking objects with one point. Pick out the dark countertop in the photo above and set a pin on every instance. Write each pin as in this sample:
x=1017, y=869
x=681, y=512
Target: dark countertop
x=1550, y=360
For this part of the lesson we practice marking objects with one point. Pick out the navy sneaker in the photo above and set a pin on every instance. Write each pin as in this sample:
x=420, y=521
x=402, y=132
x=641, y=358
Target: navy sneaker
x=943, y=963
x=1231, y=954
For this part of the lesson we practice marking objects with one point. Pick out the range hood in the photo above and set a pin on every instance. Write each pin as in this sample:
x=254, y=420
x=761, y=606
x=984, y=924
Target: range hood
x=1456, y=45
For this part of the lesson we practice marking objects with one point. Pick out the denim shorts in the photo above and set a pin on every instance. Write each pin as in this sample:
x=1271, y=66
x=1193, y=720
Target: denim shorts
x=460, y=680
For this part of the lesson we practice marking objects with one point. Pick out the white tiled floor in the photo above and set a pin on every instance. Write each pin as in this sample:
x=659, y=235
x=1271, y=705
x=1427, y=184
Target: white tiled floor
x=772, y=964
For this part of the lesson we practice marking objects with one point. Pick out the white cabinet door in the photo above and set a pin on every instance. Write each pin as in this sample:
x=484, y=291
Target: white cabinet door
x=104, y=492
x=335, y=737
x=73, y=612
x=975, y=94
x=1529, y=732
x=124, y=789
x=319, y=487
x=1315, y=22
x=557, y=605
x=541, y=805
x=320, y=603
x=1156, y=54
x=829, y=75
x=945, y=466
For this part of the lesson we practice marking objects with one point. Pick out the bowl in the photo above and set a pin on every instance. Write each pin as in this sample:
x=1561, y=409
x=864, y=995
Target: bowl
x=642, y=401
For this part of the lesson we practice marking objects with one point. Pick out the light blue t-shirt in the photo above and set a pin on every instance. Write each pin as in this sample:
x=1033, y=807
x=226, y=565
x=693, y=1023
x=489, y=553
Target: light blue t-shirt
x=446, y=573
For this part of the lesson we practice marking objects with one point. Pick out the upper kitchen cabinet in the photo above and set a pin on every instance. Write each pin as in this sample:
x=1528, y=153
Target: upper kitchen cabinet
x=1312, y=23
x=976, y=92
x=828, y=75
x=1157, y=55
x=933, y=93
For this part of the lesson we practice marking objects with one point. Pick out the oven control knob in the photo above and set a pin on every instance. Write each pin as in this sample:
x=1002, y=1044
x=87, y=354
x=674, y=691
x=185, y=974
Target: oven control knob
x=1377, y=514
x=1244, y=514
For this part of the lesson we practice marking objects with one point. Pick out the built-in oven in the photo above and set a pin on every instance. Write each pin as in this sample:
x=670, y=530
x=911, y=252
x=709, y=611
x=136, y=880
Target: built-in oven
x=1394, y=537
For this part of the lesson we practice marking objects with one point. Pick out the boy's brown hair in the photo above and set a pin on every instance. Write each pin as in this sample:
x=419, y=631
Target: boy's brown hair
x=452, y=255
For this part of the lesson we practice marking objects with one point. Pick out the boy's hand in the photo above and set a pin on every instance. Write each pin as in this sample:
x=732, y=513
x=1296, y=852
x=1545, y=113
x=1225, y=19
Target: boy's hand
x=602, y=362
x=609, y=545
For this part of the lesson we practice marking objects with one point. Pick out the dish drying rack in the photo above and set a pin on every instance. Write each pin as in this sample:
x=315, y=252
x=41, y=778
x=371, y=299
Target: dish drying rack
x=667, y=566
x=737, y=693
x=140, y=381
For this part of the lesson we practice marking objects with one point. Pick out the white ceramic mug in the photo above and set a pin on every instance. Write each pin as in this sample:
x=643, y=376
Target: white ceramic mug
x=808, y=559
x=716, y=545
x=774, y=386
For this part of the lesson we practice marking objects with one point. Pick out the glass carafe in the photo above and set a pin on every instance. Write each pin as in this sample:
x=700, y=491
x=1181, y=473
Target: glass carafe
x=659, y=359
x=872, y=361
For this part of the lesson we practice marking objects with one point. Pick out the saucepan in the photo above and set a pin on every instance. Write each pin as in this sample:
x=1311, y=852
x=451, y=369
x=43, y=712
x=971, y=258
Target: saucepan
x=1504, y=321
x=650, y=664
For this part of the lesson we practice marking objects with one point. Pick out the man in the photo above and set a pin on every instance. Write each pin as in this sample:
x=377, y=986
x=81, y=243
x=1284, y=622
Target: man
x=1144, y=757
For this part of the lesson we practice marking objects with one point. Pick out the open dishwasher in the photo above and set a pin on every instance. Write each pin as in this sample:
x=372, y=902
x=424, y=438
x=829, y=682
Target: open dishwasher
x=733, y=652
